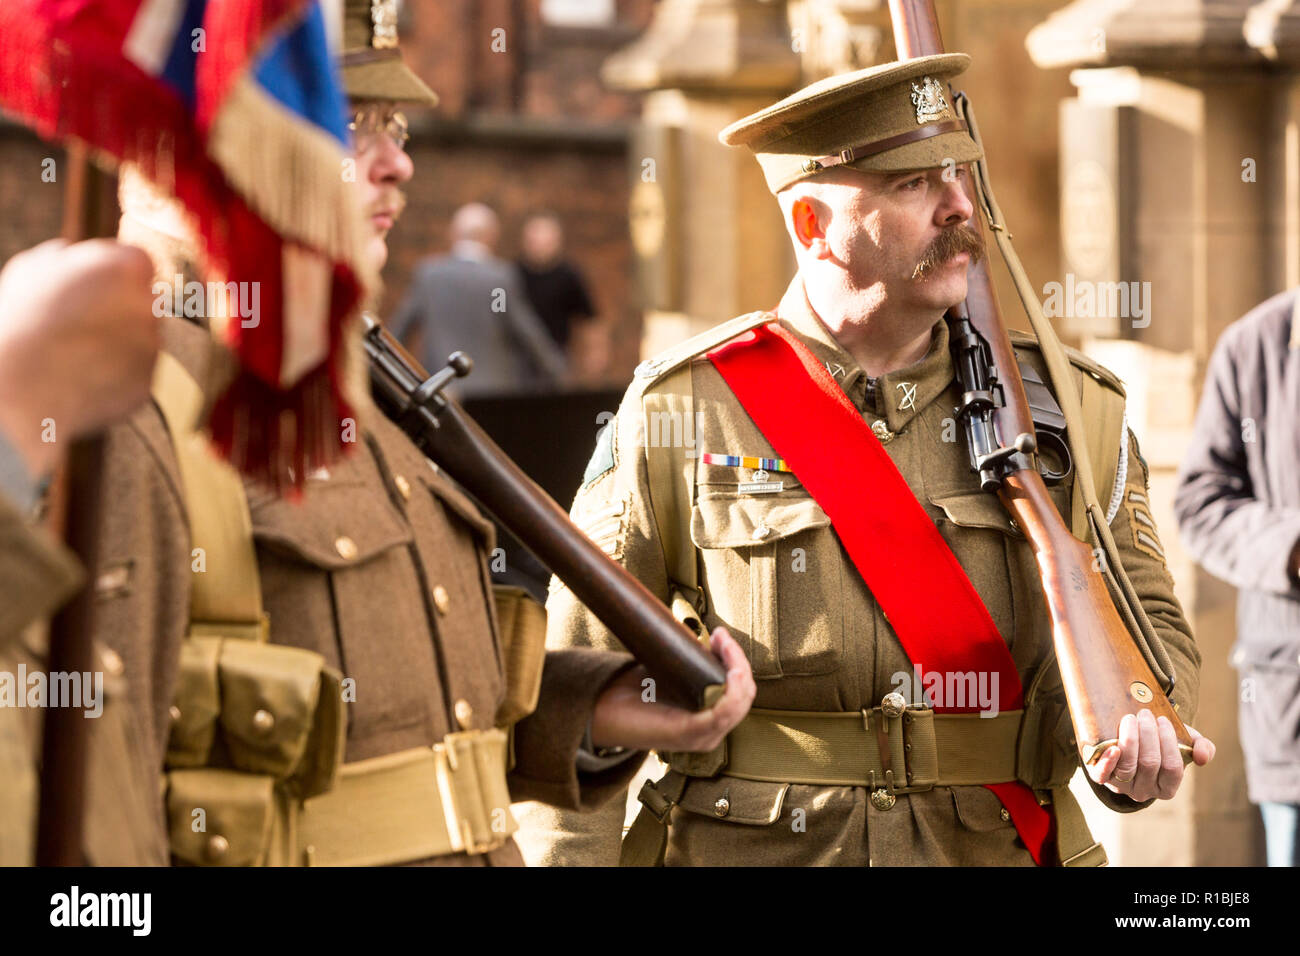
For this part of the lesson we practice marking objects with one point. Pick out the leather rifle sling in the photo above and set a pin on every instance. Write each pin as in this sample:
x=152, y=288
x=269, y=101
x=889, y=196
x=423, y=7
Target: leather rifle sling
x=886, y=541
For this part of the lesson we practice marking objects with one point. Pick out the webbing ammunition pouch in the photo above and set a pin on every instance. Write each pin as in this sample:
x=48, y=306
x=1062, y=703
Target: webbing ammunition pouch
x=256, y=727
x=221, y=817
x=258, y=708
x=522, y=625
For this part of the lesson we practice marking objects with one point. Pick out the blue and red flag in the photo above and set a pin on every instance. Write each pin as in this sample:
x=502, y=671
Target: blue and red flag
x=235, y=107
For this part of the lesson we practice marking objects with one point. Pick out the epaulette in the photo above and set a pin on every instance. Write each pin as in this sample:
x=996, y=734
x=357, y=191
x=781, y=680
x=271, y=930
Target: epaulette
x=1023, y=340
x=671, y=358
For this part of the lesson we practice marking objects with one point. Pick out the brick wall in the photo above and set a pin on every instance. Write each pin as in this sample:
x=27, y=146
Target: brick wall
x=523, y=128
x=527, y=128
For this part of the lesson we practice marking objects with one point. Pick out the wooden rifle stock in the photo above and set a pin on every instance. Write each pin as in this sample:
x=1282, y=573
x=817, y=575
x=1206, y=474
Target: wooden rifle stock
x=89, y=211
x=1103, y=672
x=686, y=672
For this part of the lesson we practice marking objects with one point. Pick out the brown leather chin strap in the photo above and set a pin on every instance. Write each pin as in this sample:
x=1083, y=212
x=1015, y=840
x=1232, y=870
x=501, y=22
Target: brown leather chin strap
x=854, y=153
x=364, y=56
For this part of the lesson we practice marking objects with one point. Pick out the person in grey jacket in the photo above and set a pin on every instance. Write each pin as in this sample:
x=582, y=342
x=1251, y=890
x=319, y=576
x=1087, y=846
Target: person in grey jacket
x=1238, y=508
x=472, y=301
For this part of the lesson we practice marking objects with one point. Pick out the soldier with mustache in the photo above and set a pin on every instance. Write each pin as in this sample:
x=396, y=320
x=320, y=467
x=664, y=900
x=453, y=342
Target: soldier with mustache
x=840, y=761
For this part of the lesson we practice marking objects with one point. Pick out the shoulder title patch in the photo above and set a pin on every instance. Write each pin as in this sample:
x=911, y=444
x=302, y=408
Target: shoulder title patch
x=602, y=459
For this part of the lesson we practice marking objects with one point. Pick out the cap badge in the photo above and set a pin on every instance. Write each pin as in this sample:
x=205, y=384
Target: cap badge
x=383, y=14
x=929, y=100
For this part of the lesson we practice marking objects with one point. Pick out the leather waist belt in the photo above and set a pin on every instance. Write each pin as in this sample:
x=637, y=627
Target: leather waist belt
x=900, y=749
x=412, y=805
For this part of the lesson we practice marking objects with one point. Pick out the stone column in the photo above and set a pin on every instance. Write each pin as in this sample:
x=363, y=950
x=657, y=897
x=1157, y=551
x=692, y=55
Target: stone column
x=1179, y=180
x=708, y=235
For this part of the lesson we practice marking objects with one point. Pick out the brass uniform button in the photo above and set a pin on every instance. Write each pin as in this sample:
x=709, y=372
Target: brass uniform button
x=881, y=430
x=893, y=704
x=174, y=713
x=1006, y=817
x=882, y=800
x=441, y=599
x=403, y=487
x=721, y=807
x=346, y=547
x=464, y=713
x=761, y=532
x=217, y=847
x=263, y=721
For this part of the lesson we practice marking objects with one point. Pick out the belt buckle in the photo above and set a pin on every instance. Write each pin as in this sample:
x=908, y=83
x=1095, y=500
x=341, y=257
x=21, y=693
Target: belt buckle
x=893, y=707
x=451, y=769
x=655, y=802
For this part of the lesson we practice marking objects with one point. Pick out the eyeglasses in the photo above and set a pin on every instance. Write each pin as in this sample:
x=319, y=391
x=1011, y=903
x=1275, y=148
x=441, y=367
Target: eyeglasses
x=370, y=120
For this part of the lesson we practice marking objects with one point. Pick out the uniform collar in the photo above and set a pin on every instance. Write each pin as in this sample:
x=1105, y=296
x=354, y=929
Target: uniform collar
x=897, y=396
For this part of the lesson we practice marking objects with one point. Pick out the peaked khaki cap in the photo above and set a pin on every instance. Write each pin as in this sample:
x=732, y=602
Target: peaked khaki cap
x=889, y=117
x=372, y=65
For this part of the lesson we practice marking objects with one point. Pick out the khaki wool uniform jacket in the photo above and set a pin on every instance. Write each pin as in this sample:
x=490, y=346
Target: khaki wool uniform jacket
x=774, y=573
x=381, y=568
x=36, y=577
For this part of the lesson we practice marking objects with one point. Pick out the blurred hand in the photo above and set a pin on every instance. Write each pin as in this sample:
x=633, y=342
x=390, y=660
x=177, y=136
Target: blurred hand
x=78, y=339
x=1147, y=762
x=623, y=718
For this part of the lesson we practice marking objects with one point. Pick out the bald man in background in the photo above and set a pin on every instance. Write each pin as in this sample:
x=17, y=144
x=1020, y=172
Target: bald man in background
x=470, y=300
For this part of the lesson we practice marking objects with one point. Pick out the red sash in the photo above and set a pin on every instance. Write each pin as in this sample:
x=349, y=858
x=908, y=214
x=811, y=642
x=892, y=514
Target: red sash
x=784, y=388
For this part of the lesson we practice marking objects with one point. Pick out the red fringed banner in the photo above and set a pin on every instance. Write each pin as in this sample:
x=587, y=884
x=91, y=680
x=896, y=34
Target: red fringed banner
x=234, y=107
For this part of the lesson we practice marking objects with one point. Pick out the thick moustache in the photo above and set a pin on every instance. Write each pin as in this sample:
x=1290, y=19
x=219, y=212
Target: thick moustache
x=947, y=245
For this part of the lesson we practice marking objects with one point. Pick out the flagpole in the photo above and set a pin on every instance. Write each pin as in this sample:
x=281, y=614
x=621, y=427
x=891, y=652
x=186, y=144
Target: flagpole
x=89, y=211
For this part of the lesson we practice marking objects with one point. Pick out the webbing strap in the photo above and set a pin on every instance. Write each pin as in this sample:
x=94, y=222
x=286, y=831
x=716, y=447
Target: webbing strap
x=1103, y=416
x=225, y=590
x=844, y=749
x=670, y=468
x=412, y=805
x=646, y=843
x=671, y=471
x=1074, y=840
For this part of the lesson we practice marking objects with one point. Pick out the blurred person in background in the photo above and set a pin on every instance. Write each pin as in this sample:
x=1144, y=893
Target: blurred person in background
x=471, y=300
x=1238, y=509
x=558, y=293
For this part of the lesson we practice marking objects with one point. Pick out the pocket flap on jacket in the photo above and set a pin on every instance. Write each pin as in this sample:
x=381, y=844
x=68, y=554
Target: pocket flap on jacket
x=975, y=510
x=332, y=527
x=726, y=522
x=979, y=809
x=269, y=694
x=235, y=825
x=751, y=802
x=446, y=491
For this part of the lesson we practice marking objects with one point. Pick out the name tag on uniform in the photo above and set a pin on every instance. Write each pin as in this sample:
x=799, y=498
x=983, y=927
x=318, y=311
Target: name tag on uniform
x=759, y=487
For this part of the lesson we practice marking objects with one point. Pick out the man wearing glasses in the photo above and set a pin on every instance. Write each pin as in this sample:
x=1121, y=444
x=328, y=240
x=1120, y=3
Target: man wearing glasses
x=324, y=679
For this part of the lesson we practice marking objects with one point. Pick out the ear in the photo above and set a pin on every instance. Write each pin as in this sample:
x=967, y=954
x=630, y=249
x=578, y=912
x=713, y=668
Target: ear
x=808, y=228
